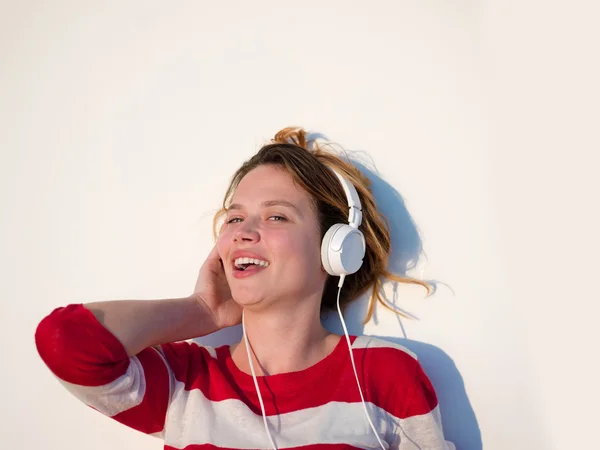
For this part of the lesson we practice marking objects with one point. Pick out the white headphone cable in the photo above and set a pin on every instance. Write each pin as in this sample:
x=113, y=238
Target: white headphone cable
x=260, y=400
x=341, y=282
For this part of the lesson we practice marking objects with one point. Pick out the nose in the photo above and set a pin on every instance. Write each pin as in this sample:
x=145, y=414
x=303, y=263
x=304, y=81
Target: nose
x=247, y=232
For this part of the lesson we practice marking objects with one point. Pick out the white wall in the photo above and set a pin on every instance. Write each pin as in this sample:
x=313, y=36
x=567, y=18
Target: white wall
x=122, y=122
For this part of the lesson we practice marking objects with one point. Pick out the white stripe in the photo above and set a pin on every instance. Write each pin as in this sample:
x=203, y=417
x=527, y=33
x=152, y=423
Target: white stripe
x=159, y=435
x=124, y=393
x=424, y=431
x=373, y=342
x=211, y=351
x=193, y=419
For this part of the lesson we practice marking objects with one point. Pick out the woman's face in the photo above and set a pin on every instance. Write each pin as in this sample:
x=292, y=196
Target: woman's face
x=272, y=221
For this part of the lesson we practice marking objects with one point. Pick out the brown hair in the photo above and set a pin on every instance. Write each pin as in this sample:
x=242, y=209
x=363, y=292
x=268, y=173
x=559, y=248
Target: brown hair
x=308, y=166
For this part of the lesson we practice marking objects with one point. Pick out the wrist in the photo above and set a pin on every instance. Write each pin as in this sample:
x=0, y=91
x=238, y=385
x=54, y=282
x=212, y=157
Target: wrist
x=210, y=320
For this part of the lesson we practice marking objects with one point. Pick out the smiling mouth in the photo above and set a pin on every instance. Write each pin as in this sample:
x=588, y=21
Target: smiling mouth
x=251, y=264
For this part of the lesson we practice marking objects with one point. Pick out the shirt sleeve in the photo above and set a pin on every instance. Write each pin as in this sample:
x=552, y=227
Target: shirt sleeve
x=421, y=425
x=94, y=366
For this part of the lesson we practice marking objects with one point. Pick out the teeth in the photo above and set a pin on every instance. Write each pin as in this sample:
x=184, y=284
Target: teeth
x=241, y=261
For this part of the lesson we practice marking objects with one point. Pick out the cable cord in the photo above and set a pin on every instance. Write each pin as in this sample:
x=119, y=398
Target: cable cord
x=260, y=400
x=353, y=364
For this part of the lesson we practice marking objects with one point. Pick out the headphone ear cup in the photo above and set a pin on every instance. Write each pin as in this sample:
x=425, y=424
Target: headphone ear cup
x=325, y=245
x=342, y=250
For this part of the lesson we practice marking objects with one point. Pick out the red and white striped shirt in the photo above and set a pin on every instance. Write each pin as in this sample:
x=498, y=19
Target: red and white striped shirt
x=194, y=397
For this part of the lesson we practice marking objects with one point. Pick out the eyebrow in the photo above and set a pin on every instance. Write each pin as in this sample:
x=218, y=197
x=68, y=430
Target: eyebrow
x=267, y=203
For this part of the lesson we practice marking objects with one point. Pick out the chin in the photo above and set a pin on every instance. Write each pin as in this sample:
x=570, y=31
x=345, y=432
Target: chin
x=247, y=299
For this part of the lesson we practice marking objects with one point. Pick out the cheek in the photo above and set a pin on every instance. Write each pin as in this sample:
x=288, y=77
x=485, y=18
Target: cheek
x=300, y=249
x=223, y=244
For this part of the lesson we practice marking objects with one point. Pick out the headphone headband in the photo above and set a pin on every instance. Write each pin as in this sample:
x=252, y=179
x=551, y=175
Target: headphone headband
x=354, y=206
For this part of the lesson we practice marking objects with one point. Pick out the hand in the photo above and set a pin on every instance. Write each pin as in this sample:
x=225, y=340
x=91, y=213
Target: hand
x=212, y=291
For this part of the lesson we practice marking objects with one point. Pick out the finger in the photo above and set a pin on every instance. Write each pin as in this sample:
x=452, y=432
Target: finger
x=214, y=257
x=214, y=254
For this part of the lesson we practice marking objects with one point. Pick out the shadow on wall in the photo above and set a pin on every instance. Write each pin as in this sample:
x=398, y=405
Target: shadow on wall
x=459, y=421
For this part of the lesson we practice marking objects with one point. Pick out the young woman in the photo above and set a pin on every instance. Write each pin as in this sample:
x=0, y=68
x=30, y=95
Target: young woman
x=289, y=383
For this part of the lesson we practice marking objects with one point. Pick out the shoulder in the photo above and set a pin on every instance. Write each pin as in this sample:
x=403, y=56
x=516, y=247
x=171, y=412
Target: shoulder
x=382, y=348
x=189, y=360
x=387, y=366
x=396, y=379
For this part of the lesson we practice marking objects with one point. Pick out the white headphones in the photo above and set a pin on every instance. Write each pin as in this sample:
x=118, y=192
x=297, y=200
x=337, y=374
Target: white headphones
x=343, y=246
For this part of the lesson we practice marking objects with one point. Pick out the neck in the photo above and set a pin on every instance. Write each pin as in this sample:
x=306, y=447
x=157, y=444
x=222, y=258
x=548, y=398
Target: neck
x=282, y=343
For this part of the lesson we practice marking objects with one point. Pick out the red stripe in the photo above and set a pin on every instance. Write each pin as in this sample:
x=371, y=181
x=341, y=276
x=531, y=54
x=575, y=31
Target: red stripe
x=390, y=379
x=78, y=349
x=423, y=397
x=149, y=416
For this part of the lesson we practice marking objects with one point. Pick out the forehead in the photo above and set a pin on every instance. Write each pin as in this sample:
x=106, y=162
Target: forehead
x=269, y=182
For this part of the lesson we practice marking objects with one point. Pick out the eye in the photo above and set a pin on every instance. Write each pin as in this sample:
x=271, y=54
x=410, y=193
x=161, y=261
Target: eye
x=233, y=220
x=278, y=218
